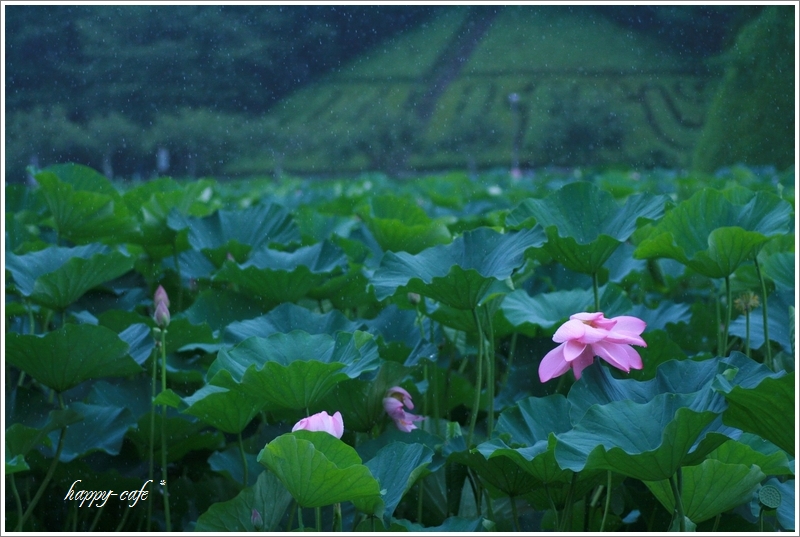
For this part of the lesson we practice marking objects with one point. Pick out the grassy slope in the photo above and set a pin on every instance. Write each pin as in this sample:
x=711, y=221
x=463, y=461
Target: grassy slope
x=543, y=53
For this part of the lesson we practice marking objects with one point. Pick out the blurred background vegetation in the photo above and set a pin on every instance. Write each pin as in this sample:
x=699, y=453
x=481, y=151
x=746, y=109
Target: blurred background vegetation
x=137, y=91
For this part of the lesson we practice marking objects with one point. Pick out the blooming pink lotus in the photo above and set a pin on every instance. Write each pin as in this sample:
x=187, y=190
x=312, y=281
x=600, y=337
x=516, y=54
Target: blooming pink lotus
x=396, y=398
x=322, y=422
x=587, y=335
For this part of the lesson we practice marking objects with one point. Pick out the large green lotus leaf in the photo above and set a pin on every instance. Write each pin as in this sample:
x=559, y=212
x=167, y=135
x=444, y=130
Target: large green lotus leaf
x=102, y=428
x=713, y=235
x=20, y=439
x=710, y=488
x=228, y=410
x=268, y=496
x=229, y=462
x=70, y=355
x=545, y=310
x=85, y=216
x=318, y=469
x=647, y=441
x=56, y=277
x=400, y=225
x=451, y=525
x=397, y=467
x=462, y=274
x=584, y=224
x=501, y=473
x=346, y=291
x=221, y=307
x=779, y=268
x=532, y=424
x=284, y=276
x=184, y=435
x=660, y=349
x=751, y=449
x=288, y=317
x=761, y=404
x=83, y=178
x=294, y=370
x=243, y=230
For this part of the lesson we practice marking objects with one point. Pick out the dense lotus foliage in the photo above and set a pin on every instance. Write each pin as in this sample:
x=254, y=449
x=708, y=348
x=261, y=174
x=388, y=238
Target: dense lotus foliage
x=610, y=351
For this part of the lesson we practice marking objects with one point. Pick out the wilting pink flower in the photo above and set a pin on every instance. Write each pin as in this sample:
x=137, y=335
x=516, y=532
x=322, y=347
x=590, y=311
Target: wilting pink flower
x=322, y=422
x=396, y=398
x=587, y=335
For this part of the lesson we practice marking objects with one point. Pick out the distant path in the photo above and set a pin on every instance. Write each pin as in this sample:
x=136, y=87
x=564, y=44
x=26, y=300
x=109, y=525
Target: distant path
x=448, y=65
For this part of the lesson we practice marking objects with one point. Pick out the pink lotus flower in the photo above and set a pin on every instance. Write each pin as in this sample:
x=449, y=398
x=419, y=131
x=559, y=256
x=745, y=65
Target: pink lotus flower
x=396, y=398
x=587, y=335
x=322, y=422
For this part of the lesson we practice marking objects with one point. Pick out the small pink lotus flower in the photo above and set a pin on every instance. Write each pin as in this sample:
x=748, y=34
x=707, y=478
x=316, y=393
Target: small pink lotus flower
x=396, y=398
x=322, y=422
x=587, y=335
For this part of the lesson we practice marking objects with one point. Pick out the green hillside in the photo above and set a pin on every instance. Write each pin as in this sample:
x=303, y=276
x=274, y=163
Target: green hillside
x=638, y=102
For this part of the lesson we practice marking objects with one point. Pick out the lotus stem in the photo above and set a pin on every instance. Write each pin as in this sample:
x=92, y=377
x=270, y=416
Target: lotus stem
x=729, y=308
x=510, y=362
x=167, y=519
x=244, y=460
x=318, y=518
x=552, y=505
x=716, y=522
x=608, y=502
x=676, y=481
x=152, y=433
x=420, y=500
x=490, y=369
x=300, y=518
x=17, y=499
x=337, y=518
x=515, y=515
x=568, y=507
x=124, y=520
x=747, y=333
x=478, y=381
x=596, y=292
x=770, y=364
x=97, y=517
x=50, y=471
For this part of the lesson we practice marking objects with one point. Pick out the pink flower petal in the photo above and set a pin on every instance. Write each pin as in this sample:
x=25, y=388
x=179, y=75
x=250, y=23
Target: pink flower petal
x=587, y=317
x=569, y=330
x=582, y=363
x=393, y=407
x=553, y=364
x=620, y=356
x=397, y=390
x=572, y=350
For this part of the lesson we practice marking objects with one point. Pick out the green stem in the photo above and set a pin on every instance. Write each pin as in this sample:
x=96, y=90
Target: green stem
x=764, y=313
x=608, y=502
x=318, y=518
x=300, y=518
x=167, y=518
x=50, y=471
x=676, y=481
x=476, y=403
x=124, y=519
x=718, y=319
x=552, y=505
x=491, y=364
x=514, y=514
x=716, y=522
x=596, y=292
x=178, y=270
x=747, y=331
x=244, y=459
x=337, y=518
x=511, y=349
x=151, y=472
x=728, y=312
x=17, y=499
x=420, y=500
x=97, y=517
x=568, y=506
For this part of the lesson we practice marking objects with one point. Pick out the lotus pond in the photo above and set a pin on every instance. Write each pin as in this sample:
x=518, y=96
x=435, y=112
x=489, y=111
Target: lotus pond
x=612, y=351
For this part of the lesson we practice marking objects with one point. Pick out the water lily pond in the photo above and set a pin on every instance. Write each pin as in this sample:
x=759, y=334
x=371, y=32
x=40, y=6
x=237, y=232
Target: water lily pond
x=561, y=351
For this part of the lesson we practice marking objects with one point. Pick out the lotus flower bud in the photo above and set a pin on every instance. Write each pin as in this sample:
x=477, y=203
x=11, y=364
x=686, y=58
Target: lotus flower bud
x=256, y=520
x=160, y=296
x=161, y=315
